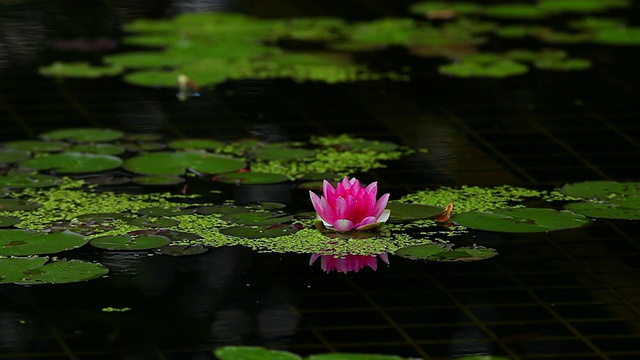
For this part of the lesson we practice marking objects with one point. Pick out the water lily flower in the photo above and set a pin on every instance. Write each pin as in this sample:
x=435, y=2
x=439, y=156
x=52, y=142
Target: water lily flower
x=348, y=262
x=349, y=206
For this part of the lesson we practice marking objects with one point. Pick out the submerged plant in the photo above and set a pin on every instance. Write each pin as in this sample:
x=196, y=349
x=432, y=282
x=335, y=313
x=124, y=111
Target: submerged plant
x=348, y=263
x=349, y=206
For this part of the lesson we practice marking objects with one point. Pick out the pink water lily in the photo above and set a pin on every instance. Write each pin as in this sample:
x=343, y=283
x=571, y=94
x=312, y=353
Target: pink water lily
x=348, y=262
x=349, y=206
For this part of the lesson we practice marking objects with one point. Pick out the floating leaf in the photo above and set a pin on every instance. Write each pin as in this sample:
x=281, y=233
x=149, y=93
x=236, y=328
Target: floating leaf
x=601, y=189
x=79, y=70
x=251, y=232
x=181, y=250
x=73, y=162
x=417, y=252
x=620, y=207
x=619, y=36
x=162, y=211
x=341, y=356
x=257, y=218
x=100, y=217
x=7, y=221
x=128, y=242
x=157, y=180
x=221, y=209
x=17, y=205
x=497, y=68
x=196, y=144
x=580, y=6
x=17, y=180
x=253, y=353
x=521, y=220
x=410, y=212
x=8, y=156
x=26, y=242
x=153, y=222
x=251, y=178
x=515, y=11
x=36, y=145
x=465, y=254
x=104, y=149
x=282, y=152
x=83, y=135
x=34, y=271
x=168, y=163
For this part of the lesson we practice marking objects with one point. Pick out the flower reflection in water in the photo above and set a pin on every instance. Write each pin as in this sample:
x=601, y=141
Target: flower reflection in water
x=348, y=263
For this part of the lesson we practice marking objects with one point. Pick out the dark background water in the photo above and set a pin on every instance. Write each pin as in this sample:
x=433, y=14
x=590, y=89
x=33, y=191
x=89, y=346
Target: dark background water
x=571, y=294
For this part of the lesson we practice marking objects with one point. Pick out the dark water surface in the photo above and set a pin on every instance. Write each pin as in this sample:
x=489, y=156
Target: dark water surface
x=570, y=294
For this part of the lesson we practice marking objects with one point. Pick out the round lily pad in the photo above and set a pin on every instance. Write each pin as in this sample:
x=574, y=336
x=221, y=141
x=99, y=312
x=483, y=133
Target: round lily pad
x=618, y=36
x=515, y=11
x=105, y=149
x=100, y=217
x=521, y=220
x=195, y=144
x=494, y=69
x=17, y=180
x=410, y=212
x=7, y=221
x=36, y=145
x=257, y=218
x=83, y=135
x=157, y=180
x=282, y=152
x=169, y=163
x=601, y=189
x=162, y=211
x=253, y=353
x=251, y=178
x=621, y=207
x=79, y=70
x=74, y=162
x=8, y=156
x=252, y=232
x=417, y=252
x=465, y=254
x=17, y=205
x=26, y=242
x=181, y=250
x=153, y=222
x=127, y=242
x=36, y=270
x=349, y=356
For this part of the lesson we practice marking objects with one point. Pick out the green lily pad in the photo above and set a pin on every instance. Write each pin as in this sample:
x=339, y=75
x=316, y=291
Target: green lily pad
x=8, y=156
x=73, y=162
x=153, y=222
x=580, y=6
x=602, y=190
x=169, y=163
x=251, y=178
x=36, y=145
x=282, y=152
x=79, y=70
x=257, y=218
x=430, y=8
x=465, y=254
x=100, y=217
x=181, y=250
x=162, y=211
x=417, y=252
x=563, y=64
x=36, y=270
x=17, y=205
x=253, y=353
x=410, y=212
x=597, y=23
x=498, y=68
x=17, y=180
x=26, y=242
x=104, y=149
x=128, y=242
x=619, y=36
x=341, y=356
x=521, y=220
x=83, y=135
x=196, y=144
x=157, y=180
x=620, y=207
x=152, y=78
x=252, y=232
x=515, y=11
x=221, y=209
x=483, y=357
x=7, y=221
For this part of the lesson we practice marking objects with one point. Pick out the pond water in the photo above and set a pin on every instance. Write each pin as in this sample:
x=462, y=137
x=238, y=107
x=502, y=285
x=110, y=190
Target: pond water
x=571, y=294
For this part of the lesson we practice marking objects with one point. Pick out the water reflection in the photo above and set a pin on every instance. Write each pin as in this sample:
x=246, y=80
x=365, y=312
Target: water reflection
x=347, y=263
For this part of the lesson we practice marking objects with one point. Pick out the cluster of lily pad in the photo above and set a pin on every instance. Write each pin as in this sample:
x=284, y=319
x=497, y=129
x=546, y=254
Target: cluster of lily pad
x=61, y=193
x=211, y=48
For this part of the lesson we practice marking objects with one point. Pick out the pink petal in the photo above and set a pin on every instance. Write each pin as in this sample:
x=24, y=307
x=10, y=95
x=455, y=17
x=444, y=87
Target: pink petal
x=380, y=205
x=385, y=257
x=366, y=221
x=329, y=192
x=322, y=208
x=372, y=189
x=340, y=208
x=313, y=259
x=386, y=213
x=343, y=225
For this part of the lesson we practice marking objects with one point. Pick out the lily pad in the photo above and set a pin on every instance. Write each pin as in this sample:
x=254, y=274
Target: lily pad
x=73, y=162
x=196, y=144
x=83, y=135
x=601, y=189
x=17, y=205
x=153, y=222
x=252, y=232
x=162, y=211
x=181, y=250
x=257, y=218
x=169, y=163
x=8, y=156
x=17, y=180
x=79, y=70
x=157, y=180
x=36, y=145
x=410, y=212
x=128, y=242
x=620, y=207
x=521, y=220
x=498, y=68
x=282, y=152
x=26, y=242
x=341, y=356
x=7, y=221
x=104, y=149
x=100, y=217
x=417, y=252
x=515, y=11
x=465, y=254
x=619, y=36
x=251, y=178
x=253, y=353
x=36, y=270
